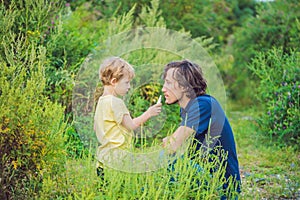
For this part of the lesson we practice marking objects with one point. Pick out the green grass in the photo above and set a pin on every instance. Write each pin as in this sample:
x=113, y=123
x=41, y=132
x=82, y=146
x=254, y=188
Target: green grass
x=267, y=171
x=81, y=182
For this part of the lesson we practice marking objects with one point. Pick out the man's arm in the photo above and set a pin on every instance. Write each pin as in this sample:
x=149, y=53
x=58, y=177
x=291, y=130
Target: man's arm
x=176, y=140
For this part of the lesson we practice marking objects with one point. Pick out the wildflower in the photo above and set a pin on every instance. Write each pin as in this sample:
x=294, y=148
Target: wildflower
x=15, y=164
x=269, y=113
x=283, y=83
x=293, y=165
x=6, y=120
x=67, y=4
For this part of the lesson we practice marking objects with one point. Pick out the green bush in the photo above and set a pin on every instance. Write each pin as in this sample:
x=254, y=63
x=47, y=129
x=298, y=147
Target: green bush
x=31, y=127
x=279, y=94
x=202, y=18
x=70, y=39
x=30, y=18
x=276, y=24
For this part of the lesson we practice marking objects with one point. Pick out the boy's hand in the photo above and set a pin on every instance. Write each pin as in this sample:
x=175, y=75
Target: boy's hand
x=154, y=110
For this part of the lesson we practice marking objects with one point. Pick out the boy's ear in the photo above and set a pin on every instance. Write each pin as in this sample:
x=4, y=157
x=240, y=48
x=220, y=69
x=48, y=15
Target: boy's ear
x=113, y=81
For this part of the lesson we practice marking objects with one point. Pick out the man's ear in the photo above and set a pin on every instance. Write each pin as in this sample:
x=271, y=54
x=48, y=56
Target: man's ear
x=113, y=81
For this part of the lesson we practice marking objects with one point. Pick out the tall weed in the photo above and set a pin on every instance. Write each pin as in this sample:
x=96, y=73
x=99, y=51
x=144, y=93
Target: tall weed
x=184, y=180
x=279, y=94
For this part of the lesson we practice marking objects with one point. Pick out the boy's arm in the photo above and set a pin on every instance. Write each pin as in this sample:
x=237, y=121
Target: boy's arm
x=132, y=124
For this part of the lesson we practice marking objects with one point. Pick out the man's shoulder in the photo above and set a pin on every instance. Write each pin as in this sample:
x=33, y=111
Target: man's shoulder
x=202, y=103
x=205, y=99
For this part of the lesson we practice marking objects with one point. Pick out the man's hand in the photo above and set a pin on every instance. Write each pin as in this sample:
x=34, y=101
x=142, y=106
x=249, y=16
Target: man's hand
x=178, y=139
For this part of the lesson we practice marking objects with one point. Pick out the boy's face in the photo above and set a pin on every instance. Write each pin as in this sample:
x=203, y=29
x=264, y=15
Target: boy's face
x=122, y=86
x=172, y=92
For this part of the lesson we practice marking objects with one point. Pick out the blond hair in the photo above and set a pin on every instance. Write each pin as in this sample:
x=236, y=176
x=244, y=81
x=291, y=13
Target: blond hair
x=114, y=67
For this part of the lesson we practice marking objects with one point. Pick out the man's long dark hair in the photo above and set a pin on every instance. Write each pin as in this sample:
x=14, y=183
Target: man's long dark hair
x=189, y=76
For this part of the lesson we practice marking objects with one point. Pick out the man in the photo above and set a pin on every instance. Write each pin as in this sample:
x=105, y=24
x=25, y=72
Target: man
x=201, y=114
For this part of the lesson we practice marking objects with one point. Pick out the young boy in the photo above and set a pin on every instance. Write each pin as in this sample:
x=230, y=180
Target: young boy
x=112, y=122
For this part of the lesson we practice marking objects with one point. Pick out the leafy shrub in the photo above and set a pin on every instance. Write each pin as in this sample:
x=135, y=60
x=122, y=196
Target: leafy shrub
x=30, y=18
x=71, y=38
x=276, y=24
x=75, y=147
x=75, y=35
x=202, y=18
x=30, y=15
x=31, y=127
x=279, y=94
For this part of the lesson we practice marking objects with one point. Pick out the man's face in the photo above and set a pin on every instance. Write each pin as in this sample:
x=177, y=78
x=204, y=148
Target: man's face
x=172, y=92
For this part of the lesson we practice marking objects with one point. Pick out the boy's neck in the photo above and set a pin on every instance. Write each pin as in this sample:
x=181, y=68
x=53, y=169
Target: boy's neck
x=108, y=90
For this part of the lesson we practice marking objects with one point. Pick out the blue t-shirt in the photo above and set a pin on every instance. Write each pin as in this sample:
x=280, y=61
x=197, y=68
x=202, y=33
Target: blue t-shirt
x=205, y=110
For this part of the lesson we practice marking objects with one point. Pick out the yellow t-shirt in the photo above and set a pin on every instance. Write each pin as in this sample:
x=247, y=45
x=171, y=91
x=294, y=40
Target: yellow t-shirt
x=108, y=126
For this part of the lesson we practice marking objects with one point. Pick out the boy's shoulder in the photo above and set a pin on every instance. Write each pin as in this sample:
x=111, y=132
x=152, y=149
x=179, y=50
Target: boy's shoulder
x=110, y=102
x=116, y=99
x=113, y=100
x=111, y=97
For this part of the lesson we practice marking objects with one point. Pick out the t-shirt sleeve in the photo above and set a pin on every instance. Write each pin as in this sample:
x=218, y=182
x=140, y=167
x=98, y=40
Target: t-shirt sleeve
x=197, y=117
x=119, y=109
